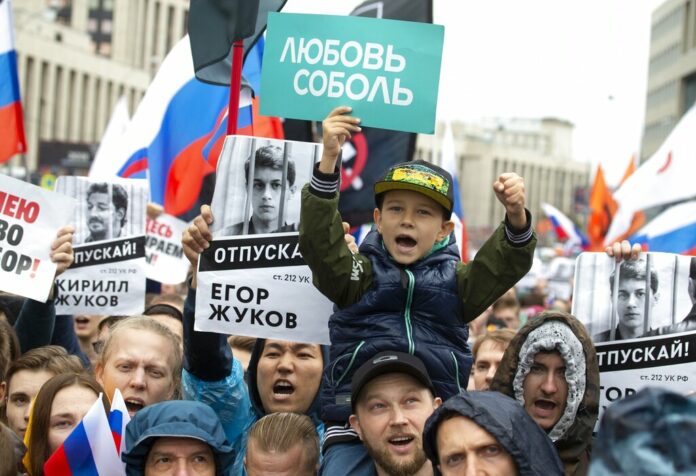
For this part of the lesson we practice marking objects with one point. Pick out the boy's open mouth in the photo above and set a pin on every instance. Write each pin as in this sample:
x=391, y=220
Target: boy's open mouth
x=405, y=241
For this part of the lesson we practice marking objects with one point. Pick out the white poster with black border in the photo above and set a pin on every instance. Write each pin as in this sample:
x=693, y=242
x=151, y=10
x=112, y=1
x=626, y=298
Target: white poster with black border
x=641, y=315
x=30, y=218
x=164, y=254
x=253, y=281
x=108, y=274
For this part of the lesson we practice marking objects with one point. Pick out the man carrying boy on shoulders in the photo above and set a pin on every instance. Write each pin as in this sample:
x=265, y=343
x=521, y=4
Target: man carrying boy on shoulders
x=406, y=290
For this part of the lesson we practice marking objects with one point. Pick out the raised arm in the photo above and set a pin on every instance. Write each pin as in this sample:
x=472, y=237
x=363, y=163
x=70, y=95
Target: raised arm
x=36, y=320
x=337, y=271
x=207, y=356
x=505, y=257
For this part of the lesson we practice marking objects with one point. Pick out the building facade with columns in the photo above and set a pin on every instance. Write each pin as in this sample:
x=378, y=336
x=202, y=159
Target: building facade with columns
x=538, y=150
x=77, y=57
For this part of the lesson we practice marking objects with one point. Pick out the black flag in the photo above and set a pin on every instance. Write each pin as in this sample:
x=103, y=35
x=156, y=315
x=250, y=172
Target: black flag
x=215, y=24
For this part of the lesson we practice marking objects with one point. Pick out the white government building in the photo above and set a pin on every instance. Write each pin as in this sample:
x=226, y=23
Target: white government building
x=76, y=58
x=540, y=150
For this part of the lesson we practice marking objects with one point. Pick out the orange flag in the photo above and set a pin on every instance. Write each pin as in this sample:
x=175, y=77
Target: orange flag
x=602, y=209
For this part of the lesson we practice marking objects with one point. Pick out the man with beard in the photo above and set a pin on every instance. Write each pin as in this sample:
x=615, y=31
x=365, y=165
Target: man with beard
x=392, y=397
x=106, y=213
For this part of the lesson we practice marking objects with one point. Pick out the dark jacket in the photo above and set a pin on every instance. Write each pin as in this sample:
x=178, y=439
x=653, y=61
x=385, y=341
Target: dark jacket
x=422, y=309
x=648, y=433
x=38, y=325
x=508, y=422
x=574, y=447
x=414, y=309
x=175, y=418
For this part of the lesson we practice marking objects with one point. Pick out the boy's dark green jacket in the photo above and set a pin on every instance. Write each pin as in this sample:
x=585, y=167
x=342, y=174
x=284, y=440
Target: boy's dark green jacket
x=380, y=305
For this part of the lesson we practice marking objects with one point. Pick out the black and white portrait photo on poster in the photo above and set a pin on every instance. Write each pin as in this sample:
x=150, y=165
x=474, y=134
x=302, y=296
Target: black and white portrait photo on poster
x=106, y=210
x=107, y=276
x=642, y=318
x=649, y=296
x=252, y=280
x=258, y=182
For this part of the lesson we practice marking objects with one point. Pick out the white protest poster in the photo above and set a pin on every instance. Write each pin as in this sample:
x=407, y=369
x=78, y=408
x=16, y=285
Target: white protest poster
x=164, y=254
x=108, y=274
x=254, y=282
x=29, y=221
x=642, y=317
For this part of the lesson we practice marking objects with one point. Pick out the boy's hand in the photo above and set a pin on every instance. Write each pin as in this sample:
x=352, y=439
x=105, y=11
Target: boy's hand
x=196, y=238
x=509, y=188
x=61, y=249
x=623, y=251
x=337, y=128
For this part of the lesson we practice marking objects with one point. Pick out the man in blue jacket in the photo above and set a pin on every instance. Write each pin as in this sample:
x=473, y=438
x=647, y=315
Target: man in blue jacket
x=176, y=437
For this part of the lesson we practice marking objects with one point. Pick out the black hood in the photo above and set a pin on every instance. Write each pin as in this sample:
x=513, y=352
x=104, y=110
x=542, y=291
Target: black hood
x=314, y=410
x=508, y=422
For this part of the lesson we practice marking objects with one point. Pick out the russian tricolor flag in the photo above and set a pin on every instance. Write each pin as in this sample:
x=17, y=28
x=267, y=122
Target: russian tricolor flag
x=565, y=229
x=12, y=139
x=672, y=231
x=167, y=137
x=94, y=446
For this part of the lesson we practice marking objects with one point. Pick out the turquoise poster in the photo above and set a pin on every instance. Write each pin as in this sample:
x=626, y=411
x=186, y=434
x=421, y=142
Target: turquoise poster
x=388, y=71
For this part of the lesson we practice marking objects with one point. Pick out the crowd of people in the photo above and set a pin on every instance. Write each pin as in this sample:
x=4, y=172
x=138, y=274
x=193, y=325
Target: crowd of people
x=398, y=392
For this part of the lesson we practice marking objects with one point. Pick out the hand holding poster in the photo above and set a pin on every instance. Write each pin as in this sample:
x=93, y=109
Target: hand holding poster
x=29, y=219
x=642, y=316
x=257, y=284
x=387, y=70
x=108, y=274
x=164, y=254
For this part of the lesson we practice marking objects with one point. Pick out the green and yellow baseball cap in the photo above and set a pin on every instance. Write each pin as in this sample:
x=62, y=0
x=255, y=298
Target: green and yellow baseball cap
x=422, y=177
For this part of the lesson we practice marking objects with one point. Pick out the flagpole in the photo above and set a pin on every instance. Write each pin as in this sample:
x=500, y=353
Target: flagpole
x=235, y=86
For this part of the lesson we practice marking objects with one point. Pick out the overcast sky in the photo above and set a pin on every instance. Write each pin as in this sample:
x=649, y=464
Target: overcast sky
x=584, y=61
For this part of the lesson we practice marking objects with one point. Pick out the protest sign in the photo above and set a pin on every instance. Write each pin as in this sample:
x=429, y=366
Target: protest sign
x=642, y=317
x=29, y=221
x=164, y=254
x=256, y=283
x=387, y=70
x=108, y=274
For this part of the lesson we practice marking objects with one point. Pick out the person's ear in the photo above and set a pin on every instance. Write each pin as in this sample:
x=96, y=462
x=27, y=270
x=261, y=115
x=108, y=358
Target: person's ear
x=292, y=188
x=437, y=402
x=355, y=424
x=377, y=218
x=99, y=373
x=445, y=230
x=3, y=387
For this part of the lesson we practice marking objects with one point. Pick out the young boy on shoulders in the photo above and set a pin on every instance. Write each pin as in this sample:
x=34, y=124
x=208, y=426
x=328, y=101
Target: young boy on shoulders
x=407, y=289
